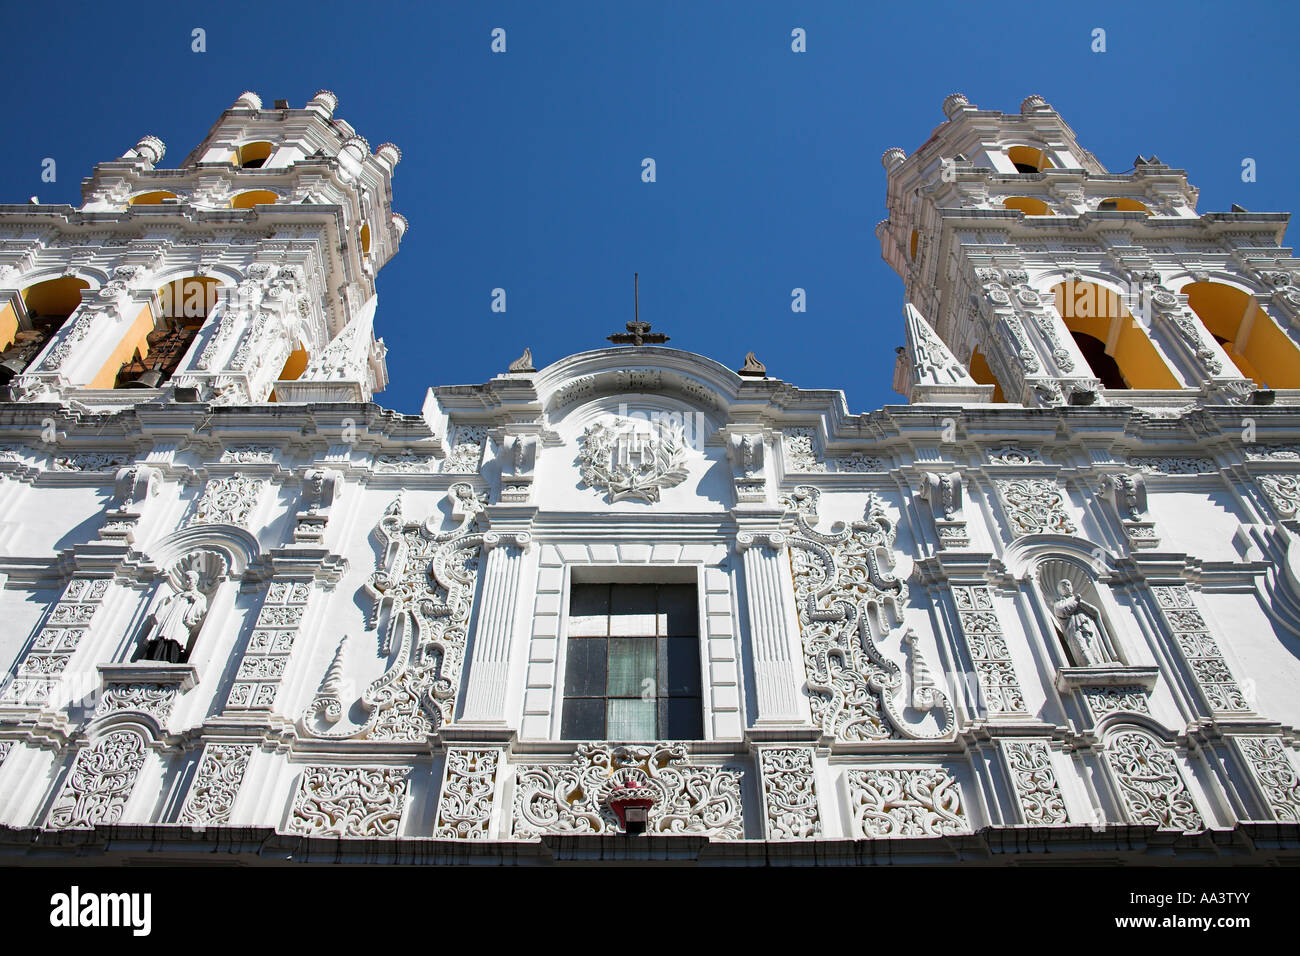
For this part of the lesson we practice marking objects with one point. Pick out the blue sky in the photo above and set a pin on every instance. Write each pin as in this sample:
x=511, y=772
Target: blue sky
x=522, y=170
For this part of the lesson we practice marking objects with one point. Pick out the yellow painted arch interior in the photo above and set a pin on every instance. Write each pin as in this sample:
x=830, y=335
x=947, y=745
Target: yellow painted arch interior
x=1268, y=355
x=980, y=371
x=8, y=325
x=135, y=340
x=1029, y=156
x=151, y=199
x=252, y=155
x=1123, y=204
x=365, y=239
x=295, y=365
x=254, y=197
x=1091, y=309
x=55, y=296
x=911, y=252
x=1028, y=205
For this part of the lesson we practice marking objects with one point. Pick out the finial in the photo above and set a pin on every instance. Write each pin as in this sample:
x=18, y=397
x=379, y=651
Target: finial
x=892, y=157
x=638, y=332
x=752, y=368
x=248, y=100
x=148, y=148
x=1033, y=102
x=953, y=104
x=325, y=101
x=524, y=363
x=389, y=155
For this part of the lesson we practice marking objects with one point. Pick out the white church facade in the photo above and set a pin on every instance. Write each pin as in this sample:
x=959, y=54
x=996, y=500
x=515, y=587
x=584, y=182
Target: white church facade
x=635, y=604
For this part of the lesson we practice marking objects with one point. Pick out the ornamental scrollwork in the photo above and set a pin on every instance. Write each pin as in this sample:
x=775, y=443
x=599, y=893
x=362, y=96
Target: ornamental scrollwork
x=216, y=784
x=1039, y=793
x=1276, y=775
x=848, y=599
x=100, y=783
x=905, y=803
x=1150, y=782
x=465, y=801
x=632, y=459
x=1035, y=505
x=789, y=793
x=423, y=593
x=229, y=500
x=349, y=801
x=1283, y=492
x=149, y=698
x=574, y=797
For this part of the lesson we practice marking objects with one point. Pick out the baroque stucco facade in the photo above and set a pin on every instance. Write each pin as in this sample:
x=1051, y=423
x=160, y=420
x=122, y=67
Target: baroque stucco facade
x=1051, y=605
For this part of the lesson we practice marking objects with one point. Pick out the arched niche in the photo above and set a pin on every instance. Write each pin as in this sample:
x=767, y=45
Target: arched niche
x=208, y=558
x=1067, y=588
x=1039, y=563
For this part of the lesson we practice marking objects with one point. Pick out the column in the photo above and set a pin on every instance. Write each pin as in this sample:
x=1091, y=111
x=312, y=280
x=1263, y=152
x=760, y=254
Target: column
x=778, y=674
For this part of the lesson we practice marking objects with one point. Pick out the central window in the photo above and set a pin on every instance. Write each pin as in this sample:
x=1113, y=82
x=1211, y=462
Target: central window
x=633, y=663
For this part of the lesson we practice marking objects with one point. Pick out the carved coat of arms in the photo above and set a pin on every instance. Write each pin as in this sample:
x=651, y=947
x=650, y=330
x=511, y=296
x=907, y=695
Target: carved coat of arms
x=632, y=458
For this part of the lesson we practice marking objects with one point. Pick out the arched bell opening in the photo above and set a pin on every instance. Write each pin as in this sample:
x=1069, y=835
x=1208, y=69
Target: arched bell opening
x=1028, y=205
x=1117, y=348
x=1255, y=343
x=252, y=155
x=1029, y=159
x=156, y=342
x=254, y=197
x=25, y=330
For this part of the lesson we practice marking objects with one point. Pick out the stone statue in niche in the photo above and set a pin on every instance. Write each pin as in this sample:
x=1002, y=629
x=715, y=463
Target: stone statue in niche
x=174, y=622
x=183, y=601
x=1080, y=624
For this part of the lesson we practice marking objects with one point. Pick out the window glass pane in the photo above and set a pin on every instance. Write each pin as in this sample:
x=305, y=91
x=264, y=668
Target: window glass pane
x=632, y=667
x=681, y=718
x=677, y=613
x=680, y=676
x=631, y=719
x=584, y=671
x=589, y=610
x=584, y=719
x=632, y=610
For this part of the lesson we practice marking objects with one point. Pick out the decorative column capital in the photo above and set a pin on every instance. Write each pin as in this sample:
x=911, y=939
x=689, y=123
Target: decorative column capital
x=776, y=540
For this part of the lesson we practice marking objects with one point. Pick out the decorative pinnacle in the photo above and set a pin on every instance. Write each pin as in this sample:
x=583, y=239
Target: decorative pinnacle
x=524, y=363
x=332, y=685
x=752, y=368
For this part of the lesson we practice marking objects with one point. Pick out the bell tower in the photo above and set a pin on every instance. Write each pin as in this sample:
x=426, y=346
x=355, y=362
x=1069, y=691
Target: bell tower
x=246, y=274
x=1032, y=270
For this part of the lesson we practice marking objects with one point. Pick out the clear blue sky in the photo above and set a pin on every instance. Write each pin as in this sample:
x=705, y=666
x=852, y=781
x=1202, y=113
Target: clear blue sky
x=522, y=170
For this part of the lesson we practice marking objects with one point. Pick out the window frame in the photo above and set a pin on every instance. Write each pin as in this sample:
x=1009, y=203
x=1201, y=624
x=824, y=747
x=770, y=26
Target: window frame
x=692, y=574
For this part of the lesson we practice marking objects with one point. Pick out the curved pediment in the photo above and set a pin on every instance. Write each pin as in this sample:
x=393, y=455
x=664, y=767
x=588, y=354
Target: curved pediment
x=581, y=378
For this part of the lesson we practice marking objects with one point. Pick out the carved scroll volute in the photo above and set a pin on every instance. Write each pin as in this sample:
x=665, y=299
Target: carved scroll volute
x=747, y=454
x=517, y=455
x=943, y=491
x=1127, y=495
x=320, y=487
x=135, y=485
